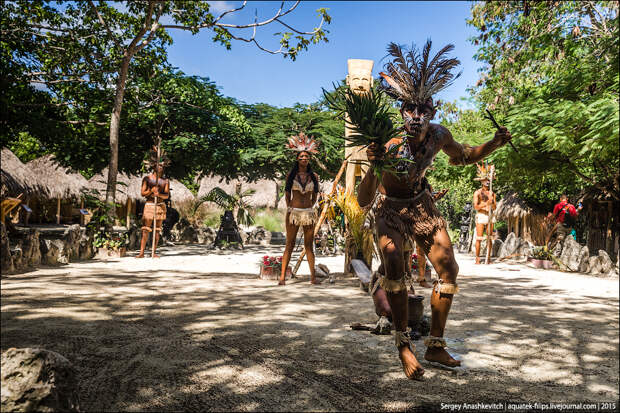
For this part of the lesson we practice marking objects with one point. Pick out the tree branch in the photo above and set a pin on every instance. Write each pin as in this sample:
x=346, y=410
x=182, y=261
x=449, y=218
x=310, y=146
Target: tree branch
x=154, y=28
x=103, y=23
x=131, y=49
x=233, y=10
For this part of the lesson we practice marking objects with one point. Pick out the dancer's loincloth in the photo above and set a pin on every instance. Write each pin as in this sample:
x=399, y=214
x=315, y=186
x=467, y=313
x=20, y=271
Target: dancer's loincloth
x=302, y=216
x=417, y=218
x=151, y=211
x=482, y=218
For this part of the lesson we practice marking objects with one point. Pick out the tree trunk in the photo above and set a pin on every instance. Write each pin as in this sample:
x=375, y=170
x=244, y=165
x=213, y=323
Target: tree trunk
x=114, y=128
x=277, y=195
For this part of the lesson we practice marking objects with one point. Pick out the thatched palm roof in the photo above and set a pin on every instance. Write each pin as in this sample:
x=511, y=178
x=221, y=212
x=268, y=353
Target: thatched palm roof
x=58, y=181
x=131, y=187
x=179, y=192
x=16, y=178
x=512, y=206
x=124, y=187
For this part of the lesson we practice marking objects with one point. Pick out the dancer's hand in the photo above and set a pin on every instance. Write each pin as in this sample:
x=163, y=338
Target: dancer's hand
x=375, y=152
x=503, y=136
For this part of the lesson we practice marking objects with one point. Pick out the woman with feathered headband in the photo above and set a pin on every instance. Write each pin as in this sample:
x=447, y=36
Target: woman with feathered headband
x=405, y=207
x=302, y=187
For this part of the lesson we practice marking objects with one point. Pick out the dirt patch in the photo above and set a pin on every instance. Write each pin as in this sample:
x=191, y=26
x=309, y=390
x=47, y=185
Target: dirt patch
x=196, y=330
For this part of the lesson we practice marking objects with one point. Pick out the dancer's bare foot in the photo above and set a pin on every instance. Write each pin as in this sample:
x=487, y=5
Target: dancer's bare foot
x=281, y=282
x=413, y=369
x=315, y=281
x=155, y=256
x=424, y=284
x=441, y=356
x=477, y=260
x=141, y=255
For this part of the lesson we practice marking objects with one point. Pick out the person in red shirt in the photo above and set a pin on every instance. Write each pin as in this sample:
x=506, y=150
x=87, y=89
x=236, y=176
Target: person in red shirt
x=565, y=222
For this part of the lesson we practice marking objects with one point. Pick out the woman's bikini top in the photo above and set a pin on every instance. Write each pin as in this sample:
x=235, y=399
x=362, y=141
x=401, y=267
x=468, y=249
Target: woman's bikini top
x=303, y=189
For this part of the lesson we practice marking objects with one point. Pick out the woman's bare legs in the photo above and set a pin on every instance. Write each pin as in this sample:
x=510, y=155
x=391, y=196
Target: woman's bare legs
x=291, y=234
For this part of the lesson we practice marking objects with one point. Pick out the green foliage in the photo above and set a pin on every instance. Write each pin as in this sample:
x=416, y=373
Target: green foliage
x=230, y=202
x=266, y=156
x=212, y=219
x=270, y=219
x=26, y=147
x=551, y=73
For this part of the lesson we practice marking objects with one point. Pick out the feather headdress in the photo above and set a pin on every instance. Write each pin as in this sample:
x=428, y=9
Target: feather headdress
x=485, y=172
x=303, y=143
x=151, y=162
x=414, y=78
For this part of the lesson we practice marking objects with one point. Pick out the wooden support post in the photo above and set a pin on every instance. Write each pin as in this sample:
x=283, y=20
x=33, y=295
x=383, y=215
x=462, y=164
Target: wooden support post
x=81, y=215
x=58, y=212
x=127, y=224
x=323, y=213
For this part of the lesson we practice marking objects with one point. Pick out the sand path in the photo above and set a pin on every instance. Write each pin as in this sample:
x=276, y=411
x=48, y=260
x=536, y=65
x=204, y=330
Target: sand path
x=196, y=330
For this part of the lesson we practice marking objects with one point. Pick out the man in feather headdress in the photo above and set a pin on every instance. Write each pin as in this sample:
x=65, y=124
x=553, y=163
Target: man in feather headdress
x=154, y=187
x=484, y=199
x=405, y=206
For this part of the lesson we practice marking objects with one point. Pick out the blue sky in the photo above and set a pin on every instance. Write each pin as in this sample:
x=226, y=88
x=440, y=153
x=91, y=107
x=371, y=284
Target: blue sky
x=358, y=30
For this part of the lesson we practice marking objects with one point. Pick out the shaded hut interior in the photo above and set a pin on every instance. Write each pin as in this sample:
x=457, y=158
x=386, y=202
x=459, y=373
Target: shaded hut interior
x=602, y=225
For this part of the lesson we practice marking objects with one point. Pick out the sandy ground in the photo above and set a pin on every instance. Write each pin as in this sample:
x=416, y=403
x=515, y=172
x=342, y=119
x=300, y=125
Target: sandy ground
x=197, y=330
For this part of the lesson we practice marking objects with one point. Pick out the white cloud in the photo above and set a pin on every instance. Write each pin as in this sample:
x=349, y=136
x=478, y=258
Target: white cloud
x=219, y=7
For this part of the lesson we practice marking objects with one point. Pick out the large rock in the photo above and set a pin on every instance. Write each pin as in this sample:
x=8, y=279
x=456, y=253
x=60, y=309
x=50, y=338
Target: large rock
x=571, y=255
x=607, y=265
x=595, y=265
x=557, y=250
x=259, y=236
x=276, y=238
x=52, y=251
x=38, y=380
x=6, y=259
x=497, y=246
x=510, y=246
x=584, y=260
x=86, y=250
x=205, y=235
x=72, y=237
x=184, y=232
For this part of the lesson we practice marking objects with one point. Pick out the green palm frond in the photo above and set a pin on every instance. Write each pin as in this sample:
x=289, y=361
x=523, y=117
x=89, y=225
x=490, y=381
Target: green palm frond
x=220, y=198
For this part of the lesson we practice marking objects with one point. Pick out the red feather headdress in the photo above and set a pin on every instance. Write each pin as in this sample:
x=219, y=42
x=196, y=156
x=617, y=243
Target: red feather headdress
x=303, y=143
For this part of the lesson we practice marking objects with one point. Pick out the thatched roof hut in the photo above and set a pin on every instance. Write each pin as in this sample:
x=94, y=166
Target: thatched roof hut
x=179, y=192
x=265, y=195
x=16, y=178
x=512, y=206
x=525, y=220
x=126, y=187
x=59, y=182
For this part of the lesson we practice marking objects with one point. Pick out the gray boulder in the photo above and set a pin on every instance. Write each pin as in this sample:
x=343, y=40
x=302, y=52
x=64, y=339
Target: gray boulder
x=38, y=380
x=607, y=265
x=584, y=260
x=557, y=250
x=51, y=250
x=205, y=235
x=86, y=250
x=6, y=259
x=71, y=238
x=184, y=232
x=510, y=246
x=595, y=265
x=571, y=255
x=497, y=246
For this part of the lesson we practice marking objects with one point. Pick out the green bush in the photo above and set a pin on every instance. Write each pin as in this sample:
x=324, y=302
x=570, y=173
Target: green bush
x=270, y=219
x=212, y=219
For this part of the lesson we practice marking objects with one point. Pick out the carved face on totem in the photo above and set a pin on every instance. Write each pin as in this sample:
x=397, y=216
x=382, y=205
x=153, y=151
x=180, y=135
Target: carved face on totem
x=359, y=78
x=417, y=116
